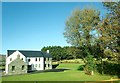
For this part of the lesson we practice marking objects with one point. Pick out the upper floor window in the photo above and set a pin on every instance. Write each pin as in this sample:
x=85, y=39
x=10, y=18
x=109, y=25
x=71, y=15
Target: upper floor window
x=10, y=59
x=18, y=56
x=28, y=60
x=44, y=59
x=50, y=59
x=39, y=59
x=36, y=59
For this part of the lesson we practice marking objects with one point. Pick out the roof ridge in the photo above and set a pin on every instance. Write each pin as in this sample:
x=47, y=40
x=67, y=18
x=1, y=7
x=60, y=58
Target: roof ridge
x=29, y=53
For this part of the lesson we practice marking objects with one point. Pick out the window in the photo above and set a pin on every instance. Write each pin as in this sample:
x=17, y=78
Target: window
x=36, y=65
x=39, y=65
x=44, y=65
x=36, y=59
x=33, y=66
x=18, y=56
x=22, y=58
x=48, y=65
x=10, y=59
x=13, y=68
x=50, y=59
x=39, y=59
x=23, y=67
x=44, y=59
x=28, y=60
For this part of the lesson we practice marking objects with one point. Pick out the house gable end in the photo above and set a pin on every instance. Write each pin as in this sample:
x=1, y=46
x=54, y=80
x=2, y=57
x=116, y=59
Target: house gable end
x=14, y=55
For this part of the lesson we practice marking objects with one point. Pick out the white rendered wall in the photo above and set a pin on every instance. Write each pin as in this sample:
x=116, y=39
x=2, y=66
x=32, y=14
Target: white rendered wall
x=48, y=61
x=36, y=65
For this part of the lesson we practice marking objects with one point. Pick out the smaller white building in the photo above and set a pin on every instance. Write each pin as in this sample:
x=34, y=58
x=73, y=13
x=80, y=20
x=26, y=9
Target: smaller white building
x=22, y=61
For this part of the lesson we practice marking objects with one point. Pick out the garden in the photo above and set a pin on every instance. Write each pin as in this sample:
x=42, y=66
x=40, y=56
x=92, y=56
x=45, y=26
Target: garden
x=65, y=71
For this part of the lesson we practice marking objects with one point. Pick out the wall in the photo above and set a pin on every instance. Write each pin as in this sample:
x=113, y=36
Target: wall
x=13, y=57
x=18, y=63
x=48, y=61
x=36, y=65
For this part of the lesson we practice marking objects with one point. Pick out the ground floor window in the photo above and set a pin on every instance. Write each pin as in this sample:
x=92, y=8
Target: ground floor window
x=30, y=67
x=13, y=68
x=39, y=65
x=35, y=65
x=23, y=67
x=48, y=65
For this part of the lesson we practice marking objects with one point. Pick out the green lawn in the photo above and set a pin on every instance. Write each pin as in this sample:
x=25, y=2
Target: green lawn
x=68, y=75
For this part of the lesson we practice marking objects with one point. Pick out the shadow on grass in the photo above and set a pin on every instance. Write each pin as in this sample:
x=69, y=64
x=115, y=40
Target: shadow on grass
x=50, y=70
x=40, y=71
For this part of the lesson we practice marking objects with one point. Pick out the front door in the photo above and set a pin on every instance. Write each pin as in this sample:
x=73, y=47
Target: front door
x=29, y=67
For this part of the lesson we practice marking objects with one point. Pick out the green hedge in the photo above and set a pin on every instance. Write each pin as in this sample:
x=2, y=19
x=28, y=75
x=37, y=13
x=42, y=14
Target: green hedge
x=72, y=61
x=109, y=68
x=81, y=67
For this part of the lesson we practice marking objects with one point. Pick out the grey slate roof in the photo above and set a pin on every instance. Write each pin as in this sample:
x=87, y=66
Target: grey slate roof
x=27, y=53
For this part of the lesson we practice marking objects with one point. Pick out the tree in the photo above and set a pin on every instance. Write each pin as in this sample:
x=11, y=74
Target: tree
x=109, y=30
x=80, y=27
x=90, y=65
x=74, y=51
x=108, y=42
x=55, y=51
x=80, y=31
x=61, y=53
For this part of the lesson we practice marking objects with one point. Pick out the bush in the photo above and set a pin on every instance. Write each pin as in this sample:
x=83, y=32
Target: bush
x=109, y=68
x=90, y=65
x=72, y=61
x=81, y=67
x=2, y=68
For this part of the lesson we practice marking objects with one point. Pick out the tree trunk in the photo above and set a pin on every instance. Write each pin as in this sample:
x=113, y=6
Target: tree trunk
x=92, y=72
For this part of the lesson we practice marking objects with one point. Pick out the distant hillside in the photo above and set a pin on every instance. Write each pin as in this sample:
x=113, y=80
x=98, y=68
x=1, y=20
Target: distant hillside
x=2, y=57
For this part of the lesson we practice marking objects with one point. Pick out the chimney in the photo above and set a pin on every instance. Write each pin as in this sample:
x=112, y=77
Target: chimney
x=47, y=51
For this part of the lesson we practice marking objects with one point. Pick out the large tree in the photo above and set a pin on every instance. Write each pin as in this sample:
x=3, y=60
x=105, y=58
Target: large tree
x=80, y=31
x=80, y=28
x=109, y=30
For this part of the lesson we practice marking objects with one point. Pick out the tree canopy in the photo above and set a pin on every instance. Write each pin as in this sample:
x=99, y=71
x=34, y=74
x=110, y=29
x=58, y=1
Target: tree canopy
x=80, y=27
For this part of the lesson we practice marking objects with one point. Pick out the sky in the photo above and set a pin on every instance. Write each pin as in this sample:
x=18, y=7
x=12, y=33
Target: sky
x=31, y=26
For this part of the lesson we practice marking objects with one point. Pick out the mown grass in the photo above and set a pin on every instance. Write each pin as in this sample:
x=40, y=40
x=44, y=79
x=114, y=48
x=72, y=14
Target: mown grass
x=67, y=75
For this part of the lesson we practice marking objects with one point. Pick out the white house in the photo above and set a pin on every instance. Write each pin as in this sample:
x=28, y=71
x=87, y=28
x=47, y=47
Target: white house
x=22, y=61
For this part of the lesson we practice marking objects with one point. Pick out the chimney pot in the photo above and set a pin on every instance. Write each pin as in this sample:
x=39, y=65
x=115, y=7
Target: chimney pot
x=47, y=51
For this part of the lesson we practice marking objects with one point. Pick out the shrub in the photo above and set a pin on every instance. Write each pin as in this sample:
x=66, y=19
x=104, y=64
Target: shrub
x=72, y=61
x=81, y=67
x=90, y=65
x=109, y=68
